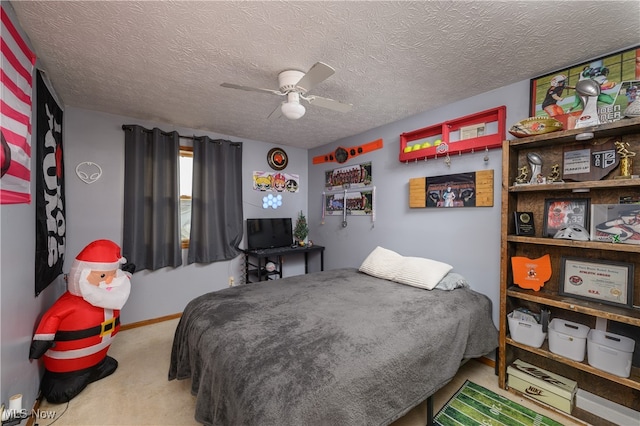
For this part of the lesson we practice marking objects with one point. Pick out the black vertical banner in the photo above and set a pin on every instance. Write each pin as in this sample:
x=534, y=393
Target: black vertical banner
x=50, y=208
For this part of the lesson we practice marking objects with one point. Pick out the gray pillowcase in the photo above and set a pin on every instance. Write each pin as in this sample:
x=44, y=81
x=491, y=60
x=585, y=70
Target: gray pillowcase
x=452, y=281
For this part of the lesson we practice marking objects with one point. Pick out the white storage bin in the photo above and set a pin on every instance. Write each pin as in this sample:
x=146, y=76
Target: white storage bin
x=610, y=352
x=525, y=332
x=568, y=339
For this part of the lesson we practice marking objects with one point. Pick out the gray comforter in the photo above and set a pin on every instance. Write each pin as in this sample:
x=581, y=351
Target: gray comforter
x=330, y=348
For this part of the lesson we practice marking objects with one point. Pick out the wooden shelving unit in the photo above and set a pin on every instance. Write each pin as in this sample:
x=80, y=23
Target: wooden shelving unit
x=625, y=391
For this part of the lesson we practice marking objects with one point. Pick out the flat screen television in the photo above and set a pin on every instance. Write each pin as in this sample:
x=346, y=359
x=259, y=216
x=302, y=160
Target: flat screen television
x=269, y=233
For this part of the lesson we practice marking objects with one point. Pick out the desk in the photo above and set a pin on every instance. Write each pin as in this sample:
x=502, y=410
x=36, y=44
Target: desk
x=275, y=255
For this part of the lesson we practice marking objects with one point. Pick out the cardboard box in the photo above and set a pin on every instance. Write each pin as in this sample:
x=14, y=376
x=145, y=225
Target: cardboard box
x=542, y=385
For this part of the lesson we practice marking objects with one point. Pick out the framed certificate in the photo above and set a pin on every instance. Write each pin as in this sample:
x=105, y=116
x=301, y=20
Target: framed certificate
x=600, y=281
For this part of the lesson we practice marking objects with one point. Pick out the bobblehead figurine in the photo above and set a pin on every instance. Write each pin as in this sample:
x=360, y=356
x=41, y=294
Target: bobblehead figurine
x=74, y=335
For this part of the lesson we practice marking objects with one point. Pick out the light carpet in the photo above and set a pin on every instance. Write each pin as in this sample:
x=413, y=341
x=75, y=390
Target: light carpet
x=139, y=393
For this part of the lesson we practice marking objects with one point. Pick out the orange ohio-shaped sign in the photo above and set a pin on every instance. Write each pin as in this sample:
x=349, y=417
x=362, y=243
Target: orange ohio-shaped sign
x=531, y=273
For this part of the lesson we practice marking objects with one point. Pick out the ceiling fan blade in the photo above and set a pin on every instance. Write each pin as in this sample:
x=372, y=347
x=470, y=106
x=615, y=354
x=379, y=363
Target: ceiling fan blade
x=276, y=113
x=251, y=89
x=318, y=73
x=329, y=104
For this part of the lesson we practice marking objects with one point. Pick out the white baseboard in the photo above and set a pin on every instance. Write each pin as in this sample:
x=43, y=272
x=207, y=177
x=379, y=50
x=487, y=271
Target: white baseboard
x=608, y=410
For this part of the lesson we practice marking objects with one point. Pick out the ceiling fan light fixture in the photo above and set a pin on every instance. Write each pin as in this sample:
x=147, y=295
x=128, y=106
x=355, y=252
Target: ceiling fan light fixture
x=292, y=109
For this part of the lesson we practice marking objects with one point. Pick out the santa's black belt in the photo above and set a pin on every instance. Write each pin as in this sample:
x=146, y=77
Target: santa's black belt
x=105, y=328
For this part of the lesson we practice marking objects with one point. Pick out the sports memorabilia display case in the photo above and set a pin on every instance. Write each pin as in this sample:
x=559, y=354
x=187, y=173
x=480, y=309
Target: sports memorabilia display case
x=565, y=294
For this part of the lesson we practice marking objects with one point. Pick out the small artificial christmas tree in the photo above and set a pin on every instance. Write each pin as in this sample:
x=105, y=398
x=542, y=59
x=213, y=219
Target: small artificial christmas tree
x=302, y=229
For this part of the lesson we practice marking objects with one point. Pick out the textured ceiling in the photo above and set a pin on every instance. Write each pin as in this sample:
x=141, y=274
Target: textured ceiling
x=165, y=60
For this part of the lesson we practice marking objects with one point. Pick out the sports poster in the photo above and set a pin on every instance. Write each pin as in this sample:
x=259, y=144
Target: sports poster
x=358, y=203
x=355, y=176
x=554, y=95
x=50, y=205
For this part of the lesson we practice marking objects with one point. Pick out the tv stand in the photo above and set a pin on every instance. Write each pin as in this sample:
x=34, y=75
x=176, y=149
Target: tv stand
x=255, y=261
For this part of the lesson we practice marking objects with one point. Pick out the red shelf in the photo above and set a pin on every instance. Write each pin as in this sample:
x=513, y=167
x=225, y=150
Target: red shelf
x=443, y=131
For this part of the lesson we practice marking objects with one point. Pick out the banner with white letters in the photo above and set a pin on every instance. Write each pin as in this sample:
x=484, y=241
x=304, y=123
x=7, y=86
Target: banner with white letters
x=50, y=206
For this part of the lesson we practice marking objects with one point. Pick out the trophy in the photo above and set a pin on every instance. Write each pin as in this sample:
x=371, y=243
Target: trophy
x=523, y=177
x=626, y=162
x=555, y=174
x=535, y=163
x=588, y=90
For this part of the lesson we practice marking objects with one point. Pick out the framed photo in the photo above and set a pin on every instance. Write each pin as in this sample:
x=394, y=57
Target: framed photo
x=553, y=95
x=560, y=212
x=615, y=223
x=597, y=280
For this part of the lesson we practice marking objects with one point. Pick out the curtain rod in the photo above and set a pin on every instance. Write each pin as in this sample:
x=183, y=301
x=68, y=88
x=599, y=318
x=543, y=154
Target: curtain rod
x=129, y=126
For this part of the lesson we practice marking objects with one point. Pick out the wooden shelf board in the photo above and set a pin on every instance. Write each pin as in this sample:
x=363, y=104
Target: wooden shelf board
x=610, y=312
x=633, y=381
x=564, y=186
x=624, y=126
x=596, y=245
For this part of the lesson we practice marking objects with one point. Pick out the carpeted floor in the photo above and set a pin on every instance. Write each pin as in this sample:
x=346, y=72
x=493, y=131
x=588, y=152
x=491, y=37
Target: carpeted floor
x=138, y=393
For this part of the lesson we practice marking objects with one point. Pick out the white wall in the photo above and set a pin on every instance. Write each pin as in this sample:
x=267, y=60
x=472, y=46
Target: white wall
x=467, y=238
x=95, y=211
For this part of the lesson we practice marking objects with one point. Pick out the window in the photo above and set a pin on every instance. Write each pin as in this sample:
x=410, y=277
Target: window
x=186, y=178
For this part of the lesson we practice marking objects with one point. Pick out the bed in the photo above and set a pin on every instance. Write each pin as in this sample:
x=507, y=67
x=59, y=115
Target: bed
x=339, y=347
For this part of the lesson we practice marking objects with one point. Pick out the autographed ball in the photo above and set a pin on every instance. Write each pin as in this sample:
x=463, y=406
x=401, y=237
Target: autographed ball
x=535, y=126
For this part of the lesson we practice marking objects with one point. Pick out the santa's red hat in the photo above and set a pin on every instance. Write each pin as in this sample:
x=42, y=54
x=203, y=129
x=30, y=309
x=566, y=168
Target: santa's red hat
x=100, y=255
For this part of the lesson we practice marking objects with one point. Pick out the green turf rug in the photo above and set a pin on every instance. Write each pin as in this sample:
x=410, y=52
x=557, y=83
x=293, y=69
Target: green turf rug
x=475, y=405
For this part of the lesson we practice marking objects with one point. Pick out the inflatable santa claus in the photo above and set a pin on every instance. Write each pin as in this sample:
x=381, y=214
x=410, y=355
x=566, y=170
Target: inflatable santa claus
x=74, y=335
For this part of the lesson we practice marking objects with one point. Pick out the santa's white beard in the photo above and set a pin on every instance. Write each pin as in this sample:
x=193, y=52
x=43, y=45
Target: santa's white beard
x=108, y=296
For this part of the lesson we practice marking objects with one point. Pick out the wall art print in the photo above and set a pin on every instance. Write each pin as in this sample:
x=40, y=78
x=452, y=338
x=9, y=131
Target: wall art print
x=50, y=198
x=472, y=189
x=355, y=176
x=275, y=182
x=358, y=203
x=618, y=76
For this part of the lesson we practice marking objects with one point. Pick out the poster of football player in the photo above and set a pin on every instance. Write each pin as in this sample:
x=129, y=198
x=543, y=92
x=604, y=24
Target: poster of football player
x=554, y=94
x=457, y=190
x=354, y=176
x=358, y=203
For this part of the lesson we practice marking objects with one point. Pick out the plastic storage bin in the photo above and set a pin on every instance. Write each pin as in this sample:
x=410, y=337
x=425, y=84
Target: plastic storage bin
x=525, y=332
x=610, y=352
x=568, y=339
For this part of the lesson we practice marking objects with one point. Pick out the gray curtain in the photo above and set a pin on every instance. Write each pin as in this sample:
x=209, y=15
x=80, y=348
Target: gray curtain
x=151, y=237
x=216, y=201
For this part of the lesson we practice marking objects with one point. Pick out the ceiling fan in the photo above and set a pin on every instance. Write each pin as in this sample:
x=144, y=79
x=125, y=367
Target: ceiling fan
x=294, y=85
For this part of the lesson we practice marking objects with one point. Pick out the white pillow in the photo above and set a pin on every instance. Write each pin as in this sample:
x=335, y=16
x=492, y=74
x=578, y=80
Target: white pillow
x=381, y=263
x=421, y=272
x=413, y=271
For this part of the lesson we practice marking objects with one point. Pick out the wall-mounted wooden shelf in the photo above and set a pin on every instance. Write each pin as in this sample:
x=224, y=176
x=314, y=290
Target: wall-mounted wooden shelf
x=450, y=141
